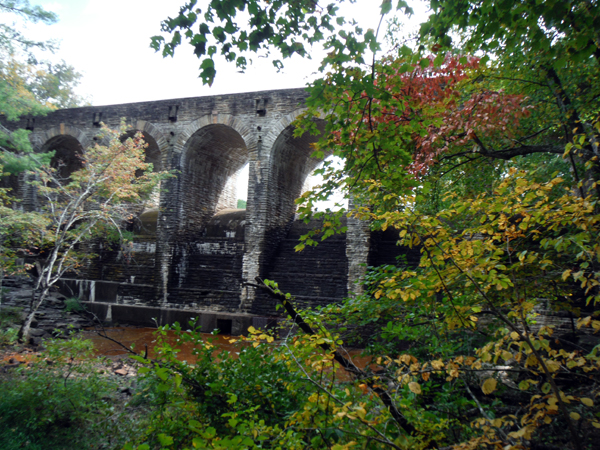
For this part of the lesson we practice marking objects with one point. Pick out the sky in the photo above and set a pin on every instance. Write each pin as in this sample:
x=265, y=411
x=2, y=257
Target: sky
x=108, y=41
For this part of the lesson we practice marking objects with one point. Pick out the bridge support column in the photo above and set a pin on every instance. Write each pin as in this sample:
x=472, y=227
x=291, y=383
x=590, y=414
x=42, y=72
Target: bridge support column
x=256, y=223
x=166, y=229
x=358, y=242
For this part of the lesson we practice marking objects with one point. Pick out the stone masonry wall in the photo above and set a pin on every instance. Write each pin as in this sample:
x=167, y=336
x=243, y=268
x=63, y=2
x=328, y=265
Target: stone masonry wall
x=193, y=252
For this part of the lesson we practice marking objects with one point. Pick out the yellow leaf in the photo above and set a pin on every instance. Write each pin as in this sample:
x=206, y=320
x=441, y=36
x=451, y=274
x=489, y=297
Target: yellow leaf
x=405, y=359
x=575, y=416
x=514, y=335
x=584, y=322
x=553, y=366
x=414, y=387
x=587, y=401
x=519, y=433
x=531, y=360
x=596, y=424
x=437, y=365
x=489, y=386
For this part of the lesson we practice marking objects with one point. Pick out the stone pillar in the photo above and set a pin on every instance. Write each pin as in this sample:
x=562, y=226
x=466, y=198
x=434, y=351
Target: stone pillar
x=256, y=221
x=166, y=224
x=358, y=242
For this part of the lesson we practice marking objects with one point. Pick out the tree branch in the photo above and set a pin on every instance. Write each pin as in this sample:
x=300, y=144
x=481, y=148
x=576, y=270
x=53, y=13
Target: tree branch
x=345, y=363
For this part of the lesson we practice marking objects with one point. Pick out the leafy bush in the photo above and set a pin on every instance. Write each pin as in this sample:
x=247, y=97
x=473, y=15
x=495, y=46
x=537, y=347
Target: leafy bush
x=9, y=336
x=218, y=394
x=62, y=400
x=9, y=318
x=9, y=315
x=73, y=305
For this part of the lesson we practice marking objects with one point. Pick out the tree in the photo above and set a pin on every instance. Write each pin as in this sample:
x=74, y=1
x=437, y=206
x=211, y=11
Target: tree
x=28, y=86
x=489, y=165
x=18, y=230
x=10, y=36
x=98, y=198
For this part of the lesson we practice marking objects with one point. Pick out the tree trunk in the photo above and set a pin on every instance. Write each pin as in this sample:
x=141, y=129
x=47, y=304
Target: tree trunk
x=23, y=335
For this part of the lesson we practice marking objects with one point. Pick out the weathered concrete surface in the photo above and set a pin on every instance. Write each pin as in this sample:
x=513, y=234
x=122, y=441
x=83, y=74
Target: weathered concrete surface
x=193, y=250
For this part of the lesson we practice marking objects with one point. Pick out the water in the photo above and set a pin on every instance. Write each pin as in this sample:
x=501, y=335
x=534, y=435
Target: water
x=142, y=337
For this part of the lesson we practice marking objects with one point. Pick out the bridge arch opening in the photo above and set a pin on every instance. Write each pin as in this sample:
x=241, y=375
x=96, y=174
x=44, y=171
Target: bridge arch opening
x=213, y=161
x=292, y=163
x=337, y=199
x=152, y=152
x=242, y=179
x=68, y=156
x=146, y=219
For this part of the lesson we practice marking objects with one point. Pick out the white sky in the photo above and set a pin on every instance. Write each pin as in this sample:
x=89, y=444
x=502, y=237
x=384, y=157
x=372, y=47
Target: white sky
x=108, y=42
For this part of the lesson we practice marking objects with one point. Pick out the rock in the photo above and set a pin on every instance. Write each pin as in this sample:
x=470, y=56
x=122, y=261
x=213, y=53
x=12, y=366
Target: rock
x=126, y=391
x=37, y=332
x=51, y=314
x=35, y=340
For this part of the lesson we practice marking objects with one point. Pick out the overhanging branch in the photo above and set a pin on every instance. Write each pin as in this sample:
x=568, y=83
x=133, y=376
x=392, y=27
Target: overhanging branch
x=347, y=364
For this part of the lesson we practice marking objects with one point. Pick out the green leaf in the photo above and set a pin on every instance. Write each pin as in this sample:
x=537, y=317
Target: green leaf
x=164, y=439
x=386, y=6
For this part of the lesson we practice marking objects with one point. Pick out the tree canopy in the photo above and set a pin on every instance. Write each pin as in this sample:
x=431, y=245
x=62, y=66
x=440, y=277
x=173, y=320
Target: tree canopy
x=478, y=145
x=28, y=86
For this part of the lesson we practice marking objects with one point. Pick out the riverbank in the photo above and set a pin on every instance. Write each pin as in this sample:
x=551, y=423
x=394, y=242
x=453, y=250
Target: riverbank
x=57, y=316
x=59, y=394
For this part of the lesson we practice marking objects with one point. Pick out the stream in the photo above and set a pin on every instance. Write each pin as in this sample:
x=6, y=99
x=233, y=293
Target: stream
x=142, y=337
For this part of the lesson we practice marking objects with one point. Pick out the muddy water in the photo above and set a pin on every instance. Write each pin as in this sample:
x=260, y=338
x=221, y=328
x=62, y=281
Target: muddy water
x=142, y=337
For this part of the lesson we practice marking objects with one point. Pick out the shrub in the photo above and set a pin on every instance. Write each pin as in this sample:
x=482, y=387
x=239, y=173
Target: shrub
x=73, y=305
x=61, y=400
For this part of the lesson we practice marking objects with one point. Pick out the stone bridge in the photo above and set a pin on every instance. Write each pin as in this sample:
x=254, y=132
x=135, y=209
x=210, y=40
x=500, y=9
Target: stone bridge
x=193, y=250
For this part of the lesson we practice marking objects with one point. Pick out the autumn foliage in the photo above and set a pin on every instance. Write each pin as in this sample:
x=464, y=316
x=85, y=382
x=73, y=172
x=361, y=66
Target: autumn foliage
x=111, y=186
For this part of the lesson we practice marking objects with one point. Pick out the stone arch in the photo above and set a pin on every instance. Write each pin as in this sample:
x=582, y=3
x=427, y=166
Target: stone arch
x=152, y=152
x=156, y=153
x=235, y=123
x=39, y=139
x=211, y=159
x=291, y=163
x=157, y=150
x=68, y=154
